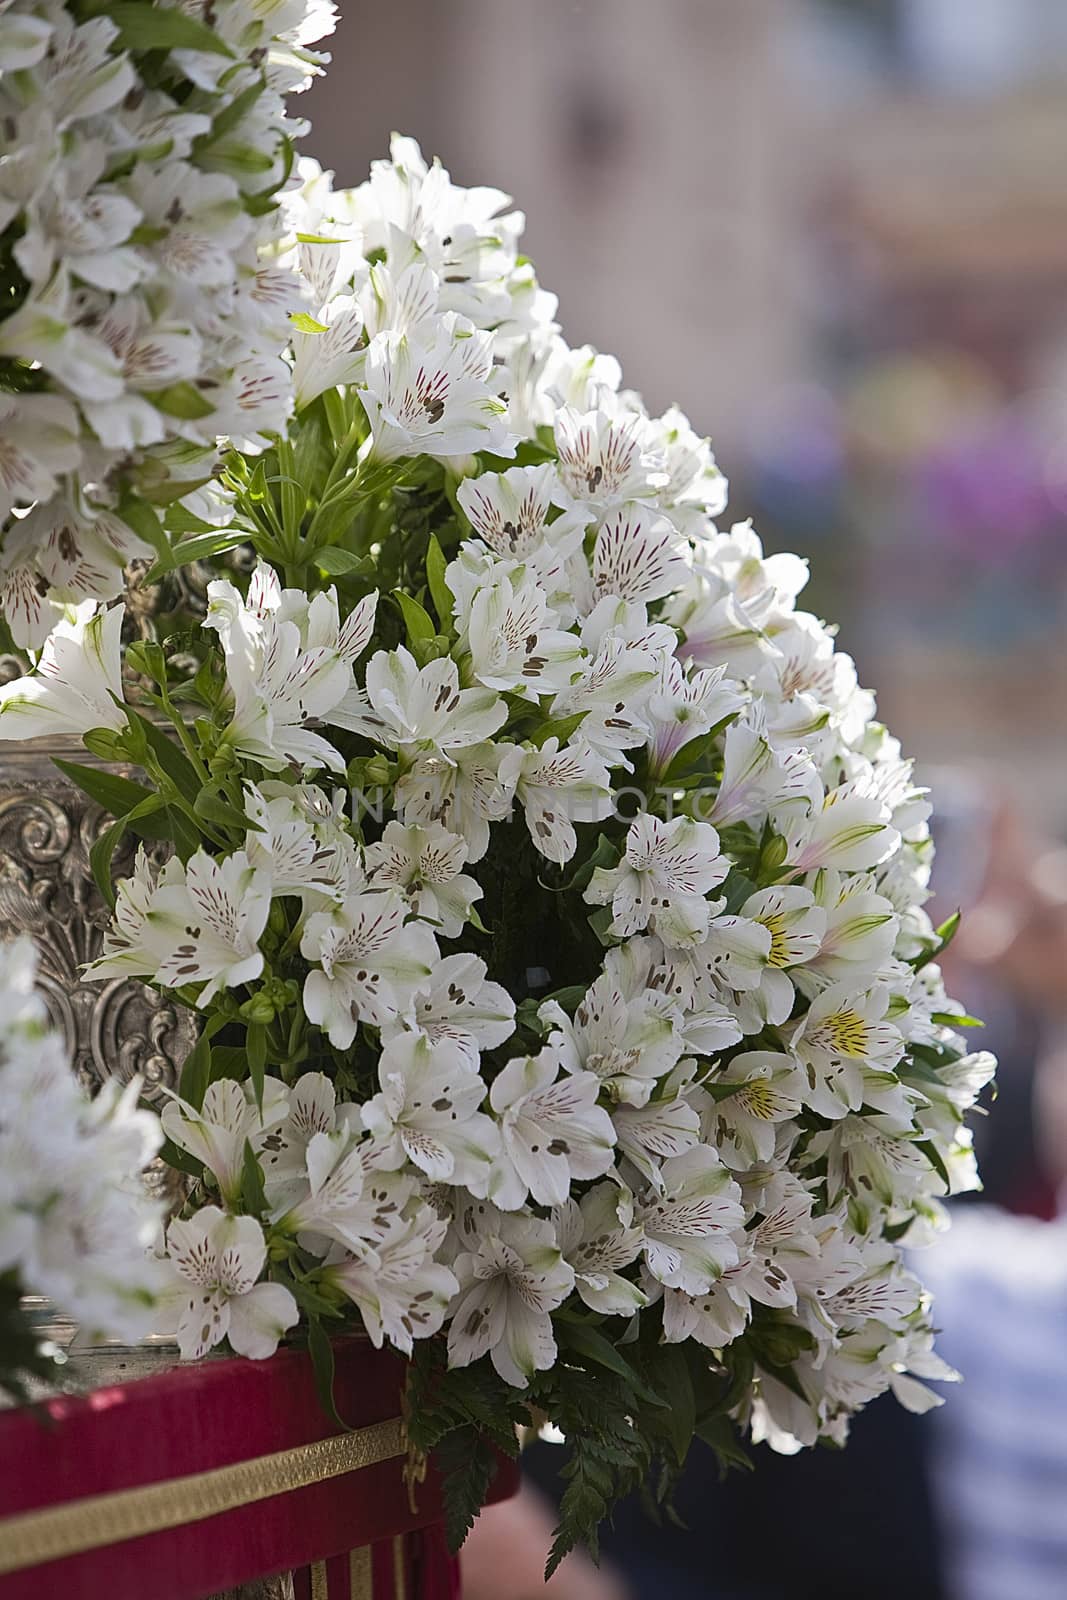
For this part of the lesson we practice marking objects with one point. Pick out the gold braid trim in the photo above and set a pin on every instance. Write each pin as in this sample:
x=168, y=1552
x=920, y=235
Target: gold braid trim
x=32, y=1537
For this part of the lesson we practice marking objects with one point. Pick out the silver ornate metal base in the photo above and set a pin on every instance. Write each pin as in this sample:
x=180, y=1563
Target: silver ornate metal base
x=113, y=1029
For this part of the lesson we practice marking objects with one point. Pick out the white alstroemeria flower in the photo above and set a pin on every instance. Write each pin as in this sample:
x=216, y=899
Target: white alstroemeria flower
x=848, y=828
x=373, y=962
x=510, y=511
x=682, y=706
x=557, y=788
x=796, y=926
x=331, y=354
x=427, y=1113
x=401, y=1292
x=758, y=1090
x=783, y=1247
x=627, y=1037
x=457, y=1002
x=42, y=330
x=598, y=1238
x=512, y=642
x=206, y=928
x=885, y=1292
x=84, y=223
x=611, y=691
x=428, y=393
x=650, y=1134
x=201, y=218
x=401, y=294
x=638, y=555
x=312, y=1108
x=413, y=709
x=342, y=1202
x=127, y=948
x=752, y=777
x=463, y=791
x=288, y=845
x=861, y=928
x=695, y=483
x=689, y=1228
x=663, y=880
x=219, y=1260
x=718, y=629
x=425, y=863
x=77, y=558
x=552, y=1131
x=38, y=443
x=843, y=1042
x=512, y=1277
x=714, y=1319
x=228, y=1119
x=285, y=666
x=732, y=959
x=23, y=38
x=78, y=673
x=605, y=460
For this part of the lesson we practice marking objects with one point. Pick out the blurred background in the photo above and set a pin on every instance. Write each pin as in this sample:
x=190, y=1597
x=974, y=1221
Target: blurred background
x=835, y=232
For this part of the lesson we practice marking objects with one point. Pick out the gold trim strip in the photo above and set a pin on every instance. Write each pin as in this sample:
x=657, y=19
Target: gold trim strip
x=400, y=1580
x=361, y=1574
x=320, y=1586
x=53, y=1532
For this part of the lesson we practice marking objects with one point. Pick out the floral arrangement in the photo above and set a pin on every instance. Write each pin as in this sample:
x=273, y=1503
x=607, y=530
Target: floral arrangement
x=550, y=896
x=76, y=1223
x=142, y=312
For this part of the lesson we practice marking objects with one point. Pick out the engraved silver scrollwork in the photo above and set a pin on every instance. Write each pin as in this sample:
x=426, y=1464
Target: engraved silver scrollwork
x=114, y=1029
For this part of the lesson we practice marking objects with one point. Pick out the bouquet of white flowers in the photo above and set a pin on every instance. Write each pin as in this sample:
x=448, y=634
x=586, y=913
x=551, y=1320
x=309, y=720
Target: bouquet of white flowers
x=551, y=897
x=75, y=1221
x=142, y=311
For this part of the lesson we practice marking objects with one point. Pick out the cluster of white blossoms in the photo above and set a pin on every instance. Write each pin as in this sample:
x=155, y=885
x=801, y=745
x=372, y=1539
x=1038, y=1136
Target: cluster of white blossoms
x=728, y=1093
x=75, y=1219
x=142, y=309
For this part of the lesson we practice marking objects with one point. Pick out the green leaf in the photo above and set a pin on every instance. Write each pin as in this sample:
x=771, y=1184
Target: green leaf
x=118, y=796
x=253, y=1195
x=182, y=400
x=103, y=850
x=231, y=115
x=944, y=936
x=671, y=1373
x=720, y=1433
x=606, y=854
x=583, y=1340
x=196, y=1069
x=200, y=547
x=212, y=809
x=444, y=600
x=137, y=514
x=151, y=27
x=417, y=619
x=304, y=322
x=321, y=1352
x=256, y=1047
x=933, y=1155
x=949, y=1019
x=466, y=1464
x=186, y=839
x=562, y=729
x=100, y=860
x=337, y=562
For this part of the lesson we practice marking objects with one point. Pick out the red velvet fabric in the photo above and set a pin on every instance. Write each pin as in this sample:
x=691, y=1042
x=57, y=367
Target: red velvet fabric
x=194, y=1419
